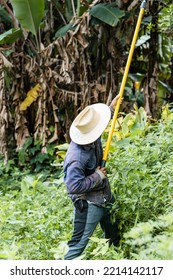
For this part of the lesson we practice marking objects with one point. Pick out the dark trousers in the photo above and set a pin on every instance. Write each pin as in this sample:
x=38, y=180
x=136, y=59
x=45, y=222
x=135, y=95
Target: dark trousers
x=87, y=216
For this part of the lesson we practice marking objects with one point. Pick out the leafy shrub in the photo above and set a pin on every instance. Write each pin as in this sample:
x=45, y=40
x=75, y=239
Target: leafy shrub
x=34, y=220
x=32, y=154
x=152, y=240
x=10, y=176
x=141, y=175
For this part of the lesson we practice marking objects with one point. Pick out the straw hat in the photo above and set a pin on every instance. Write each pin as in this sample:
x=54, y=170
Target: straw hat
x=90, y=124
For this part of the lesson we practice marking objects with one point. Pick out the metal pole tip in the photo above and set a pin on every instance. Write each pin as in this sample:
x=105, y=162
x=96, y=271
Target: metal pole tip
x=143, y=4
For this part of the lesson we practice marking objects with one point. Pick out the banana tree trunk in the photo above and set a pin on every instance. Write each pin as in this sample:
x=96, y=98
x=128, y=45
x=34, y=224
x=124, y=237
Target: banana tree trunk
x=151, y=100
x=3, y=114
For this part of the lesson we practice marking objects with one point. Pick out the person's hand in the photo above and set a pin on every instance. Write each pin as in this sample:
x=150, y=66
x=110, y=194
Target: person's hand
x=102, y=172
x=115, y=100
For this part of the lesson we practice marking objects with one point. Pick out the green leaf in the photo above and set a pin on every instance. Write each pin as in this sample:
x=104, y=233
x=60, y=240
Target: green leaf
x=5, y=17
x=62, y=147
x=29, y=13
x=128, y=120
x=107, y=13
x=142, y=40
x=165, y=87
x=10, y=36
x=95, y=239
x=63, y=30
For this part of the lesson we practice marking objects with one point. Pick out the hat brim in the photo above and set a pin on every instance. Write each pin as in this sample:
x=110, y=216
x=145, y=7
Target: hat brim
x=86, y=138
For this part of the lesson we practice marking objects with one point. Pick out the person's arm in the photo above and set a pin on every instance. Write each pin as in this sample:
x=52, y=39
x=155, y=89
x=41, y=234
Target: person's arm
x=114, y=101
x=113, y=104
x=78, y=183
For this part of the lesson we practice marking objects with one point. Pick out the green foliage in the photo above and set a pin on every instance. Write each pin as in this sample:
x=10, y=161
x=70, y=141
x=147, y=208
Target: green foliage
x=10, y=176
x=166, y=21
x=128, y=127
x=107, y=13
x=36, y=217
x=32, y=154
x=152, y=240
x=62, y=149
x=4, y=17
x=29, y=13
x=141, y=171
x=165, y=44
x=63, y=30
x=10, y=36
x=33, y=219
x=99, y=249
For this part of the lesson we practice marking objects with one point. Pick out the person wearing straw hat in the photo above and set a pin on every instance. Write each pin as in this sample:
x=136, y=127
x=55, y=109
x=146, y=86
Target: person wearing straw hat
x=87, y=183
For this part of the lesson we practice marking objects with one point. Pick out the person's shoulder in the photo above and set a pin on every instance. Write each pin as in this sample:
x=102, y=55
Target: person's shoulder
x=73, y=146
x=78, y=153
x=73, y=152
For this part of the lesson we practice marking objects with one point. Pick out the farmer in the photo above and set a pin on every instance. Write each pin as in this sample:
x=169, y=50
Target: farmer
x=87, y=183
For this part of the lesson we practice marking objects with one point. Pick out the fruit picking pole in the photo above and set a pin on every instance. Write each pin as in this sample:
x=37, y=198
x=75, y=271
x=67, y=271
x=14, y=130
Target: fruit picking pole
x=142, y=9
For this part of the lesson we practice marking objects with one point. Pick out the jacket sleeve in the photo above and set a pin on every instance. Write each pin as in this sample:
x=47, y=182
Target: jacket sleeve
x=76, y=181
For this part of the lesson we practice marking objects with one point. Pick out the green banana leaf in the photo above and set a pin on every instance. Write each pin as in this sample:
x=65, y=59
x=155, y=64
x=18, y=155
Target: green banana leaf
x=10, y=36
x=29, y=13
x=107, y=13
x=63, y=30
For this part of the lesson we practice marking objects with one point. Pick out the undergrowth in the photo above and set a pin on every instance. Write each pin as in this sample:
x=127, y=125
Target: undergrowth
x=36, y=213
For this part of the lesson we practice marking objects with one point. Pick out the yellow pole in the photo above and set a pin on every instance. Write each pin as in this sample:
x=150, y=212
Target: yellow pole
x=105, y=155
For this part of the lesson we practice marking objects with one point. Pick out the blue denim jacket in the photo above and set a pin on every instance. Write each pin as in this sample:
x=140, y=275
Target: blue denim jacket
x=80, y=176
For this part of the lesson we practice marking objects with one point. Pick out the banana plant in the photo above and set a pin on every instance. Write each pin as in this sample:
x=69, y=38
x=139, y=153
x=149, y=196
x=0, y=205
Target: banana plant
x=29, y=14
x=107, y=13
x=102, y=13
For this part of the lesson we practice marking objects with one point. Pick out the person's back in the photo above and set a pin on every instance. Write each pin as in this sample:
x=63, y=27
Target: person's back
x=82, y=179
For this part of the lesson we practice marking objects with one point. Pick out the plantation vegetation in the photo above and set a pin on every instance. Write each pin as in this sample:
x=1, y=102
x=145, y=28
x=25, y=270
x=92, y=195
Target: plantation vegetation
x=36, y=214
x=64, y=56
